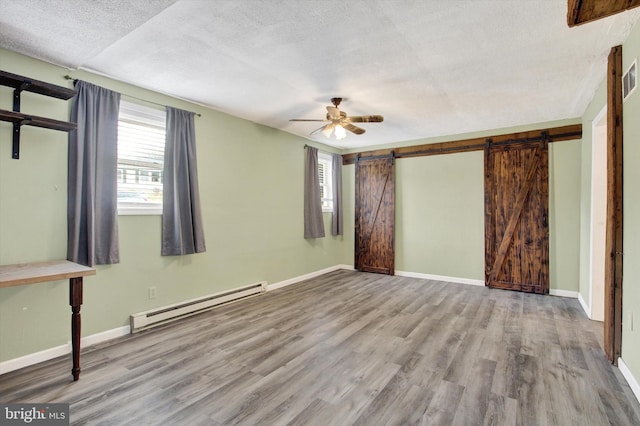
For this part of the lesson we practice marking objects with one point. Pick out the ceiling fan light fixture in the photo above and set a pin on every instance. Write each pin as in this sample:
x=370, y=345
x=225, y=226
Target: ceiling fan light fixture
x=340, y=132
x=327, y=131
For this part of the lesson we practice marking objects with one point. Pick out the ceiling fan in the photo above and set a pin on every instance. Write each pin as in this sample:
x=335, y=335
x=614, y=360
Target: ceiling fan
x=339, y=122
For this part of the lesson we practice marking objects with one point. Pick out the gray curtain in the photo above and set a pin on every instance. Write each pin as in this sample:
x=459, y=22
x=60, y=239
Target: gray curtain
x=313, y=223
x=182, y=231
x=336, y=222
x=92, y=207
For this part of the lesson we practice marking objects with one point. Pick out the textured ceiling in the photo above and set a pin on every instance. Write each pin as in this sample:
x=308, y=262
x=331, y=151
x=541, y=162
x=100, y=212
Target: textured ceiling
x=431, y=68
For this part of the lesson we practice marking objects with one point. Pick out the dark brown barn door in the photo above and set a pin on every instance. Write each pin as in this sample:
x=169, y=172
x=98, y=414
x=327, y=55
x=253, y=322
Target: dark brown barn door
x=516, y=216
x=375, y=215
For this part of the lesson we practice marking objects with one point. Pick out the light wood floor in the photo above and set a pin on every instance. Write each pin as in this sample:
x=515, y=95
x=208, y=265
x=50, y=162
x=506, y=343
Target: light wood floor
x=350, y=348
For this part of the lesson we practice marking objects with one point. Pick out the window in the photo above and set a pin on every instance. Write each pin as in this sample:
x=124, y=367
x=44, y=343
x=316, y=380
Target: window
x=141, y=140
x=325, y=173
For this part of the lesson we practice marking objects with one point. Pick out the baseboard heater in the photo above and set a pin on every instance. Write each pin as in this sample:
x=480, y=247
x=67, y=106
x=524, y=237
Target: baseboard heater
x=155, y=317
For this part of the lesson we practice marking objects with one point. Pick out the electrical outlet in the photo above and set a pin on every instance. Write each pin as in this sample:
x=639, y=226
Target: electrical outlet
x=153, y=292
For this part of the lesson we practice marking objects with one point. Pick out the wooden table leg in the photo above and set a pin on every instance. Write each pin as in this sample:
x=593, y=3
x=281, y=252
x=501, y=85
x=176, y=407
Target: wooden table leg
x=75, y=300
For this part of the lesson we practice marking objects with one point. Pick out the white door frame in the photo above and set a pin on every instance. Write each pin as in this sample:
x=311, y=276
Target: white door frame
x=601, y=117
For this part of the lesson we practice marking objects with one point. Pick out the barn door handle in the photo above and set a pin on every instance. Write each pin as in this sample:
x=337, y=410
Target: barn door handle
x=545, y=222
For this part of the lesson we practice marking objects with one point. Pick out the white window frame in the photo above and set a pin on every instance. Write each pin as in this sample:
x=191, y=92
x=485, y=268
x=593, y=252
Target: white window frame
x=325, y=162
x=144, y=175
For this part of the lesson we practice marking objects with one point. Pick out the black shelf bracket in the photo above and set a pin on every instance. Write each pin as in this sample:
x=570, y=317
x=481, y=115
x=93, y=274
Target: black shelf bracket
x=15, y=149
x=23, y=84
x=16, y=94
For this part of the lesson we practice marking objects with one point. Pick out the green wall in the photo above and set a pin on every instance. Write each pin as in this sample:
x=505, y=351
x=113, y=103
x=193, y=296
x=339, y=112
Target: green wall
x=564, y=215
x=250, y=177
x=631, y=215
x=440, y=210
x=251, y=189
x=631, y=212
x=440, y=215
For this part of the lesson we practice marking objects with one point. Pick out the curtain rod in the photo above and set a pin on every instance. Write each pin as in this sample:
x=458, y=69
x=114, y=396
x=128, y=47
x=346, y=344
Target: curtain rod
x=320, y=150
x=68, y=77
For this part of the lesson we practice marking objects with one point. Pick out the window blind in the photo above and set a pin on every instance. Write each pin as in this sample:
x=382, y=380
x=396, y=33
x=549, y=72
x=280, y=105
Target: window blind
x=141, y=141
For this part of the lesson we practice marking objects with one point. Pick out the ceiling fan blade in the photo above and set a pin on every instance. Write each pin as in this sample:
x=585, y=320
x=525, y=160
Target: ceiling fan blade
x=353, y=129
x=333, y=113
x=323, y=129
x=366, y=119
x=305, y=119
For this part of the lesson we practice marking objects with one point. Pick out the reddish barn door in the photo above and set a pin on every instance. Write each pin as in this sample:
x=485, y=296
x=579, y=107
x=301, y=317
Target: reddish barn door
x=516, y=216
x=375, y=215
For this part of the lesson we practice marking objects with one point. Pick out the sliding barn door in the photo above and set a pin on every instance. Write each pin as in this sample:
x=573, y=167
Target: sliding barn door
x=516, y=216
x=375, y=215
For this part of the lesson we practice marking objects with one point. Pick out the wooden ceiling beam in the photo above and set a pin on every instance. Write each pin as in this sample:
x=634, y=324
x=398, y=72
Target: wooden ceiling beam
x=555, y=134
x=582, y=11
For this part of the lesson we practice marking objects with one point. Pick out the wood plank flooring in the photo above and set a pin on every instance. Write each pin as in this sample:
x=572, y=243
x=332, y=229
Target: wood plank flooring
x=350, y=348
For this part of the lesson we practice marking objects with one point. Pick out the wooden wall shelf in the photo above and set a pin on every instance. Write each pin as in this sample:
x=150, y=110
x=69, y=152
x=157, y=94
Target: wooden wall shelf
x=36, y=86
x=23, y=84
x=34, y=120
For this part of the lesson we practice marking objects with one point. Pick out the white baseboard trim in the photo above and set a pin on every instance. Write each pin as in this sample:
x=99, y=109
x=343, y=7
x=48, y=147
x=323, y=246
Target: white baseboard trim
x=626, y=373
x=346, y=267
x=34, y=358
x=563, y=293
x=47, y=354
x=458, y=280
x=470, y=281
x=585, y=307
x=308, y=276
x=106, y=335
